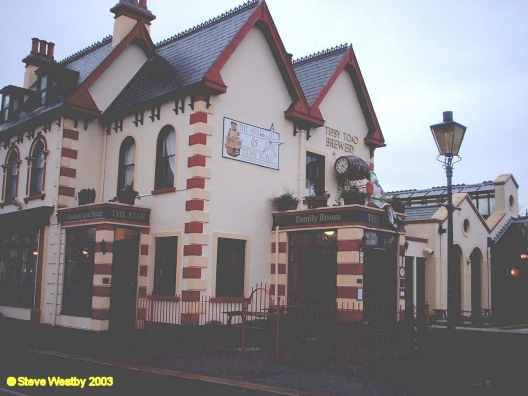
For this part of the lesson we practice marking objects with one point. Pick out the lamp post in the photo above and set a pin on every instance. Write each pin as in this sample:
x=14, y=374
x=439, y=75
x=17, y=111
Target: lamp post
x=448, y=136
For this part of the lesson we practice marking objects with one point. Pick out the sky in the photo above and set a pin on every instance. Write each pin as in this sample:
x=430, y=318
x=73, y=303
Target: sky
x=418, y=58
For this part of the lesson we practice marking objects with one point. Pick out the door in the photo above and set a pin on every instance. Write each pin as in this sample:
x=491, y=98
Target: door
x=124, y=284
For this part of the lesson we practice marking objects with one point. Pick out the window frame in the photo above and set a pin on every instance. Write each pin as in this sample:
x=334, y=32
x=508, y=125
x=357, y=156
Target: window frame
x=320, y=164
x=233, y=288
x=162, y=177
x=124, y=167
x=170, y=243
x=10, y=188
x=36, y=172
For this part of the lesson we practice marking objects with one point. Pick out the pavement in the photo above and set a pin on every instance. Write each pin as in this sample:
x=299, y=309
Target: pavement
x=461, y=367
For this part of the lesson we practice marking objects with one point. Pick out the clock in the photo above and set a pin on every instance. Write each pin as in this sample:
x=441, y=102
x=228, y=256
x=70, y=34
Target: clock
x=351, y=167
x=342, y=166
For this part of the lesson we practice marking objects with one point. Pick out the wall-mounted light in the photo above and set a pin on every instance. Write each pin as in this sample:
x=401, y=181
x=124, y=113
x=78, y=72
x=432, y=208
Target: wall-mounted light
x=329, y=232
x=524, y=256
x=103, y=246
x=406, y=245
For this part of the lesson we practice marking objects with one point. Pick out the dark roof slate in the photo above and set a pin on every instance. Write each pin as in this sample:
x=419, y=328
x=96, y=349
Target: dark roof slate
x=87, y=60
x=314, y=71
x=420, y=212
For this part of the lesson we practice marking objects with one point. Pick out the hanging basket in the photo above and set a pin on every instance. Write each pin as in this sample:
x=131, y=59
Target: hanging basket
x=86, y=196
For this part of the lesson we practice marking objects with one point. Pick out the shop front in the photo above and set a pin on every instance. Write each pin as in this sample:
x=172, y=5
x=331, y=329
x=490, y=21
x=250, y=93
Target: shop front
x=345, y=256
x=105, y=266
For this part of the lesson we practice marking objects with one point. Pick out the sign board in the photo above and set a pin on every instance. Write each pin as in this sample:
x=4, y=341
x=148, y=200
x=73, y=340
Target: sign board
x=251, y=144
x=105, y=213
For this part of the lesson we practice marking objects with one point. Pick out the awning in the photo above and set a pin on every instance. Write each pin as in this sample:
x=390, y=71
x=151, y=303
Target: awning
x=26, y=219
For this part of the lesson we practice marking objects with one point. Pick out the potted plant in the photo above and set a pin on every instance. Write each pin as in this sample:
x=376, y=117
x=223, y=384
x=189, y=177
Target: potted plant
x=86, y=196
x=286, y=201
x=351, y=193
x=127, y=195
x=319, y=198
x=397, y=204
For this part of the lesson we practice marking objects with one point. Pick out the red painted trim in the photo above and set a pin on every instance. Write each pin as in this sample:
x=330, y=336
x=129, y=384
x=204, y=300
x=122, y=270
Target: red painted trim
x=192, y=250
x=109, y=246
x=78, y=99
x=350, y=269
x=101, y=314
x=192, y=273
x=261, y=18
x=196, y=160
x=40, y=196
x=102, y=269
x=347, y=292
x=229, y=299
x=68, y=172
x=349, y=245
x=70, y=134
x=194, y=227
x=282, y=268
x=196, y=182
x=145, y=231
x=38, y=280
x=199, y=116
x=144, y=250
x=190, y=295
x=101, y=291
x=349, y=316
x=163, y=191
x=143, y=269
x=190, y=319
x=67, y=191
x=105, y=227
x=142, y=291
x=69, y=153
x=194, y=204
x=141, y=314
x=198, y=138
x=163, y=297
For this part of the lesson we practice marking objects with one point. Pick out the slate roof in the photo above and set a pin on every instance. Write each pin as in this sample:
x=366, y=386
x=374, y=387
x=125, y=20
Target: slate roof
x=314, y=71
x=86, y=61
x=188, y=56
x=420, y=212
x=471, y=189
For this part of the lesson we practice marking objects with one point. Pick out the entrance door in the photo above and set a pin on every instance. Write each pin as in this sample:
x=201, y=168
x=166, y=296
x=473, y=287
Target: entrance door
x=476, y=283
x=317, y=276
x=124, y=283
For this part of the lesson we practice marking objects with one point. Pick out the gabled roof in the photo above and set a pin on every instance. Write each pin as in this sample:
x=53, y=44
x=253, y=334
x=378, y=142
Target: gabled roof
x=317, y=73
x=194, y=60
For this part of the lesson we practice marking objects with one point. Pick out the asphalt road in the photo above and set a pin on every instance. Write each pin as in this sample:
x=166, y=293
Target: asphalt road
x=36, y=374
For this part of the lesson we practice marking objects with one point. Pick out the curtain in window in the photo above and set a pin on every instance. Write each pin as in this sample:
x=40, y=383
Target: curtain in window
x=169, y=149
x=11, y=180
x=129, y=161
x=40, y=171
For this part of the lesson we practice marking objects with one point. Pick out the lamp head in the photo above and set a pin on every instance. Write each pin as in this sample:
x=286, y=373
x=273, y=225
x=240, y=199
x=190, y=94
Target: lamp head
x=448, y=135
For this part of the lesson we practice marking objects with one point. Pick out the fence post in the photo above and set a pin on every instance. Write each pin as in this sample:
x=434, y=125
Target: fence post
x=427, y=316
x=277, y=329
x=244, y=329
x=150, y=303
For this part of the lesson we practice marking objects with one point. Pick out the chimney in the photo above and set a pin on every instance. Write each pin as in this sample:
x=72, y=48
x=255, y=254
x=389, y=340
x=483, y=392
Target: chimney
x=128, y=13
x=41, y=54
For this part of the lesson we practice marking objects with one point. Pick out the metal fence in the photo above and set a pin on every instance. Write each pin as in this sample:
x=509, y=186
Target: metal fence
x=314, y=332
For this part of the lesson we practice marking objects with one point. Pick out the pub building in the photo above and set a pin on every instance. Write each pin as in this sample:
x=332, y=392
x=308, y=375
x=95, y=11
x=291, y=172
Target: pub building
x=179, y=146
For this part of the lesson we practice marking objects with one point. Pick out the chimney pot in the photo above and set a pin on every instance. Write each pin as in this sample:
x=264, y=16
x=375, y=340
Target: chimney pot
x=34, y=45
x=143, y=4
x=51, y=48
x=43, y=45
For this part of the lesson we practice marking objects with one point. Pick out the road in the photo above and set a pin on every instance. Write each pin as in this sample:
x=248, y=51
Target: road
x=37, y=374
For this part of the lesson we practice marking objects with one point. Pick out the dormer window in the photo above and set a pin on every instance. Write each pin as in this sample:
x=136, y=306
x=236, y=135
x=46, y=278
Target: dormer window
x=9, y=107
x=13, y=99
x=43, y=89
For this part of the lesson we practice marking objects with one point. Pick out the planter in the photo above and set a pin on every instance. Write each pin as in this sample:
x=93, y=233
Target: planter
x=127, y=196
x=398, y=206
x=86, y=196
x=284, y=206
x=355, y=199
x=314, y=203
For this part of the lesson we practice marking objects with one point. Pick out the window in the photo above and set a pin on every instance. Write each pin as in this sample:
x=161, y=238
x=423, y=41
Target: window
x=165, y=266
x=11, y=175
x=18, y=259
x=315, y=174
x=43, y=89
x=230, y=263
x=485, y=204
x=165, y=158
x=127, y=162
x=6, y=107
x=78, y=271
x=36, y=162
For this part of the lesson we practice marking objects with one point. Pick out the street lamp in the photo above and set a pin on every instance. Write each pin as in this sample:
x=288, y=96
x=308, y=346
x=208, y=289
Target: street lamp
x=448, y=136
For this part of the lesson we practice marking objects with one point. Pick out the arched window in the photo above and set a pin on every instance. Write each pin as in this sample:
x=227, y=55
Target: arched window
x=165, y=158
x=127, y=162
x=36, y=162
x=11, y=175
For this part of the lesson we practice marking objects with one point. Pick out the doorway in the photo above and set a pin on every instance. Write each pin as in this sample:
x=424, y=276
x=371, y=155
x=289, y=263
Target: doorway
x=124, y=281
x=476, y=283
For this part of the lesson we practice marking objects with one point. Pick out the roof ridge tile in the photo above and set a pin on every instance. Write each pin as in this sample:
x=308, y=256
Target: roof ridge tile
x=327, y=51
x=84, y=51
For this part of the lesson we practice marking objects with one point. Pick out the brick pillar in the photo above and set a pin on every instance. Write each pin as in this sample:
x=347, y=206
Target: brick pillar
x=349, y=273
x=195, y=238
x=144, y=243
x=102, y=271
x=283, y=260
x=68, y=168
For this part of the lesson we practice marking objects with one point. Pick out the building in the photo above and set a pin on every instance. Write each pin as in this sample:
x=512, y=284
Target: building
x=485, y=222
x=204, y=128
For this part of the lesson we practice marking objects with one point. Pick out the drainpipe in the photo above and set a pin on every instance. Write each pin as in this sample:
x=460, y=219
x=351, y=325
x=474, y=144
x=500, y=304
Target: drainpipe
x=277, y=265
x=301, y=185
x=59, y=246
x=103, y=177
x=415, y=281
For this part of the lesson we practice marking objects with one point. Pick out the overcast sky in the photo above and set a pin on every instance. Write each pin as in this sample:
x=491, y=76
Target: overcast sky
x=418, y=59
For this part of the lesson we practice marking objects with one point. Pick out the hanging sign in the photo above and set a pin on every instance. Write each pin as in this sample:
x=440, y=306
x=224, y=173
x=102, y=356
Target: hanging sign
x=251, y=144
